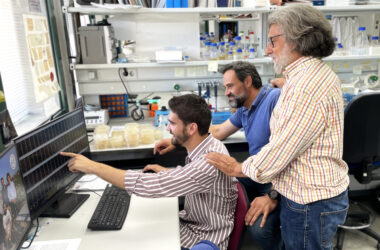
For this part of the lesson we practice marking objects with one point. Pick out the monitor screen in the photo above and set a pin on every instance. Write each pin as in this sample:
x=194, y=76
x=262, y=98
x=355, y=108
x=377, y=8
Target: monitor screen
x=15, y=221
x=44, y=171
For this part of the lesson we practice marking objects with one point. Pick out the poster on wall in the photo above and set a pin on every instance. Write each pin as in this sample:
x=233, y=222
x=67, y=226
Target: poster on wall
x=7, y=130
x=41, y=57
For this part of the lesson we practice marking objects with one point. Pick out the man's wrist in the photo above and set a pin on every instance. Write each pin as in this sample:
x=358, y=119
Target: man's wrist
x=274, y=195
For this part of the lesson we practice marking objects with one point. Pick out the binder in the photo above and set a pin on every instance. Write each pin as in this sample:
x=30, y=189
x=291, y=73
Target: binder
x=184, y=3
x=169, y=3
x=177, y=4
x=222, y=3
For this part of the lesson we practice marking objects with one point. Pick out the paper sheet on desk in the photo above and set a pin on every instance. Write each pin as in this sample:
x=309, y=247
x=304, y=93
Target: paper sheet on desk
x=90, y=182
x=72, y=244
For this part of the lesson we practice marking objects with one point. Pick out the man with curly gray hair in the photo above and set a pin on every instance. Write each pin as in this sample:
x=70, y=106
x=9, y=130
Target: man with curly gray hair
x=303, y=158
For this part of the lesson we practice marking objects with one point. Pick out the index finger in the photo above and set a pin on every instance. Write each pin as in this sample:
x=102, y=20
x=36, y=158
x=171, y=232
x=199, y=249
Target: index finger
x=212, y=156
x=68, y=154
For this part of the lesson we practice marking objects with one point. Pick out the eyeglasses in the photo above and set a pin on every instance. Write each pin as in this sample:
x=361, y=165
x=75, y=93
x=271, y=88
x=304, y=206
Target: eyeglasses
x=270, y=39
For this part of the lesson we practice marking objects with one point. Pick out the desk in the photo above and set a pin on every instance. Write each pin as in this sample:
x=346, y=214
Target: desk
x=150, y=224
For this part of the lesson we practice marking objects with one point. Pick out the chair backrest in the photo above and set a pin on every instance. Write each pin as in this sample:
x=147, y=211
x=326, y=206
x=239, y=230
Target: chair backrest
x=242, y=206
x=361, y=141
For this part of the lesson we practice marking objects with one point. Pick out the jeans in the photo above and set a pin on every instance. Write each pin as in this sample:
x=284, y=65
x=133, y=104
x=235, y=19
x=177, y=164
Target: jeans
x=269, y=236
x=312, y=226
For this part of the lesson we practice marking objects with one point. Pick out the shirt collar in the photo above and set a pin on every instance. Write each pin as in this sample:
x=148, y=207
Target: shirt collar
x=298, y=65
x=199, y=149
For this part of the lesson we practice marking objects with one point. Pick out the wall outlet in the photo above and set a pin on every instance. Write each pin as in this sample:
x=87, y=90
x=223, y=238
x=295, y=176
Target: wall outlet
x=132, y=74
x=376, y=24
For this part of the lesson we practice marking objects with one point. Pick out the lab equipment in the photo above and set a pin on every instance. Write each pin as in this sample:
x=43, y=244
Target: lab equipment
x=98, y=44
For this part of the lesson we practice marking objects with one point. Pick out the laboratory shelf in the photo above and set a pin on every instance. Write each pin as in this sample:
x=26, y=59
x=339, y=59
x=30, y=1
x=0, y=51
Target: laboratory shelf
x=163, y=65
x=91, y=10
x=351, y=58
x=349, y=8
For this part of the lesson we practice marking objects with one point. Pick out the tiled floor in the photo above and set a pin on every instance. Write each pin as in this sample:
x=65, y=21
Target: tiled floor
x=354, y=240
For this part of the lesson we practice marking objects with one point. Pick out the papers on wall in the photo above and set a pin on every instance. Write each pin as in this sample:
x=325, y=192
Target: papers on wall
x=41, y=57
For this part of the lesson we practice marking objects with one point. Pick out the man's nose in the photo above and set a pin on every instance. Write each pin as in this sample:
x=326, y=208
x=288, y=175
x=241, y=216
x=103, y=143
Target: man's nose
x=268, y=50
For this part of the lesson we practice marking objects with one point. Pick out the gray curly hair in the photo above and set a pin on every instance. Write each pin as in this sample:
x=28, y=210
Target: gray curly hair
x=306, y=28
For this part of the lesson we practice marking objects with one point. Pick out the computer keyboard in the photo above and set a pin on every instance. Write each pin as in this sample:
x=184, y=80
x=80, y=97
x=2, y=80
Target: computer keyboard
x=111, y=210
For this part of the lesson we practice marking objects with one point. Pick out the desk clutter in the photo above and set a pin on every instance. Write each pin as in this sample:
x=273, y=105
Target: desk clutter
x=131, y=135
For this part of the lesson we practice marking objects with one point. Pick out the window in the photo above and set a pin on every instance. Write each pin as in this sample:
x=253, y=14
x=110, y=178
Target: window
x=16, y=70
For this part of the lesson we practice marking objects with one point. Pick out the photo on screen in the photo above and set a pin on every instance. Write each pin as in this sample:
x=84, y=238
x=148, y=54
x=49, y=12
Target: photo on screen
x=15, y=221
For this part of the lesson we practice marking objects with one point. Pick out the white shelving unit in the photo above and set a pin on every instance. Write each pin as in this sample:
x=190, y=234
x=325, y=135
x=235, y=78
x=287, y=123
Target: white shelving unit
x=179, y=72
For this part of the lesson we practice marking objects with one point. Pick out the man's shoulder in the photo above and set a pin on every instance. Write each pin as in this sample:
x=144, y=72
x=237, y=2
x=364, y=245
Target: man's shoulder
x=217, y=146
x=273, y=93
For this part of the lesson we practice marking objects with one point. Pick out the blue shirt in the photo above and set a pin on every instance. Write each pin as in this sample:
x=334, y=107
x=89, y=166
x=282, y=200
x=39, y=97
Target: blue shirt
x=255, y=121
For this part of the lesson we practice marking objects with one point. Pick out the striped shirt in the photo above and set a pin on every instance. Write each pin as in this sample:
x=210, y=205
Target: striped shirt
x=210, y=195
x=303, y=158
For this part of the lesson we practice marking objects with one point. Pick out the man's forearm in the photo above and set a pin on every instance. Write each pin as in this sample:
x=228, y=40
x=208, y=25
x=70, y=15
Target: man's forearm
x=110, y=174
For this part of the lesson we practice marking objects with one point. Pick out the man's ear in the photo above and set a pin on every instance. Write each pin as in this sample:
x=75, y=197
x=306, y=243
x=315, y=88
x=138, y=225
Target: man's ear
x=192, y=128
x=248, y=82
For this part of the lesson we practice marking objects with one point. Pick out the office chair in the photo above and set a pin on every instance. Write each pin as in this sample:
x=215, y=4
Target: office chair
x=242, y=206
x=361, y=151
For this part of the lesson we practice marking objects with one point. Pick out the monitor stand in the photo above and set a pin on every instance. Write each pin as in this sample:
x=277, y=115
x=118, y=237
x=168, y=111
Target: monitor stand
x=65, y=206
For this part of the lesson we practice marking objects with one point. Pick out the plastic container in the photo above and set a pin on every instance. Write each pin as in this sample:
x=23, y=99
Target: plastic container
x=374, y=49
x=102, y=129
x=251, y=54
x=117, y=105
x=147, y=136
x=101, y=141
x=219, y=117
x=158, y=133
x=361, y=43
x=221, y=51
x=213, y=52
x=239, y=55
x=117, y=141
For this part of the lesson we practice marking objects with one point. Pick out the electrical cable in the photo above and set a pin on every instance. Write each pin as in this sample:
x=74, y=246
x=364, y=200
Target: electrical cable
x=34, y=235
x=122, y=81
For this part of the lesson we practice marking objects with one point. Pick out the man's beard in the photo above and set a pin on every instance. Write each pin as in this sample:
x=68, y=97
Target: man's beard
x=282, y=61
x=238, y=100
x=179, y=140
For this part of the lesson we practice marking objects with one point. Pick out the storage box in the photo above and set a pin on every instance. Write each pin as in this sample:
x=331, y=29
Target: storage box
x=117, y=105
x=219, y=117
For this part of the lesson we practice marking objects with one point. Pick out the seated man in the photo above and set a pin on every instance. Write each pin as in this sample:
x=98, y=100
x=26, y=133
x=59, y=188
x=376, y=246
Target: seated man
x=210, y=195
x=254, y=103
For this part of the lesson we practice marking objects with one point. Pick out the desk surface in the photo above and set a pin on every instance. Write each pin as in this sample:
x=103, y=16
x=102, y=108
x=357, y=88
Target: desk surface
x=150, y=224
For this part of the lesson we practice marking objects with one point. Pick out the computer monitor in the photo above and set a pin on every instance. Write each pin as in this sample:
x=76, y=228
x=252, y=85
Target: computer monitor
x=44, y=171
x=15, y=221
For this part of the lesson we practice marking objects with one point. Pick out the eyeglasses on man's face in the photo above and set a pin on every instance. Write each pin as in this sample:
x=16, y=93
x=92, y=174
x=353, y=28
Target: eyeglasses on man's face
x=270, y=39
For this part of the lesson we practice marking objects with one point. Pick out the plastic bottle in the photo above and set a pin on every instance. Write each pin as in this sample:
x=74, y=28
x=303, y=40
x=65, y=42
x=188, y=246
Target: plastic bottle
x=221, y=51
x=374, y=49
x=241, y=34
x=230, y=55
x=232, y=49
x=213, y=52
x=339, y=50
x=237, y=42
x=238, y=55
x=212, y=37
x=246, y=47
x=202, y=46
x=206, y=53
x=251, y=54
x=361, y=43
x=251, y=37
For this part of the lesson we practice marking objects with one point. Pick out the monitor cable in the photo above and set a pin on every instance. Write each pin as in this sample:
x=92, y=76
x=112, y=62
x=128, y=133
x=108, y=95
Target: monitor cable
x=33, y=236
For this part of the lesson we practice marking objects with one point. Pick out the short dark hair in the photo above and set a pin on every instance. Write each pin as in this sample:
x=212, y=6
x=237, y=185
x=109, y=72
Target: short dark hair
x=242, y=70
x=192, y=108
x=306, y=28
